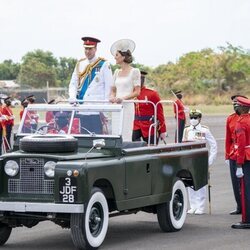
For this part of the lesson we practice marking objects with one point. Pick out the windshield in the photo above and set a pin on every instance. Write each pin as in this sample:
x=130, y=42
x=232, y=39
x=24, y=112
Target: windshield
x=104, y=120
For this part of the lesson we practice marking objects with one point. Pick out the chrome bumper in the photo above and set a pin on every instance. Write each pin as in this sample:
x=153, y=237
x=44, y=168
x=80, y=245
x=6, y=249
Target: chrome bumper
x=41, y=207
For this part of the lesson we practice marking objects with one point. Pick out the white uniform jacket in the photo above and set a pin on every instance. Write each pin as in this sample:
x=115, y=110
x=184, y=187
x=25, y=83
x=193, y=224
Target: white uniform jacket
x=99, y=88
x=201, y=132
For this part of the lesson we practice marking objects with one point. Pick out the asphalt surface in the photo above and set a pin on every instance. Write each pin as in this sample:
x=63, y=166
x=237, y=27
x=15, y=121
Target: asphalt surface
x=141, y=231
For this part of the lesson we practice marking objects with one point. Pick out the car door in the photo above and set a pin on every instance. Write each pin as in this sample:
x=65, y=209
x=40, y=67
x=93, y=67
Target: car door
x=138, y=176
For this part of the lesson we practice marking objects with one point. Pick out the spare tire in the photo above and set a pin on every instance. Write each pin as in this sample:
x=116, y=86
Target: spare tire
x=48, y=144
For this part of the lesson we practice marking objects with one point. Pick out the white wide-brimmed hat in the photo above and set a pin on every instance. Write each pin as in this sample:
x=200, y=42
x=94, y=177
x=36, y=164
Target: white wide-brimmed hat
x=122, y=45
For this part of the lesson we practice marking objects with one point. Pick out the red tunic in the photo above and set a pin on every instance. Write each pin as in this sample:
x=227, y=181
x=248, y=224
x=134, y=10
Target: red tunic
x=7, y=111
x=181, y=107
x=230, y=136
x=1, y=122
x=242, y=145
x=147, y=110
x=21, y=114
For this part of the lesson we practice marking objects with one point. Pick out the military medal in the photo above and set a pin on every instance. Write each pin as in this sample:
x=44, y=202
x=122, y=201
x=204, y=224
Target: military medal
x=97, y=73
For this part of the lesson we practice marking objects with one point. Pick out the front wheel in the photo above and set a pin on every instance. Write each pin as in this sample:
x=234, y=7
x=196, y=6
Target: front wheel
x=88, y=230
x=5, y=232
x=171, y=215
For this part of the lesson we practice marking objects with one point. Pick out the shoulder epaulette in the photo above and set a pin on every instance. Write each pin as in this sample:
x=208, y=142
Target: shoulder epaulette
x=204, y=126
x=82, y=59
x=102, y=58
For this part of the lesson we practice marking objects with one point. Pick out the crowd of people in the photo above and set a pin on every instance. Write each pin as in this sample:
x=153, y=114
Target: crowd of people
x=92, y=79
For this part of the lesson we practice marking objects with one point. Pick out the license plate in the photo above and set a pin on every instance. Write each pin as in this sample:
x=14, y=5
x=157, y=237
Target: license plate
x=68, y=189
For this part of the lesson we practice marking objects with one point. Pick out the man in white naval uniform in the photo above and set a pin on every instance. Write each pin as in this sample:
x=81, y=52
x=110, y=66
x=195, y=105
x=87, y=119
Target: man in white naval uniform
x=91, y=80
x=196, y=131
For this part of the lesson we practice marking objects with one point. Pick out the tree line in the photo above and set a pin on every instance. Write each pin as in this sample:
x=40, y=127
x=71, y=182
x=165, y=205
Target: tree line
x=206, y=76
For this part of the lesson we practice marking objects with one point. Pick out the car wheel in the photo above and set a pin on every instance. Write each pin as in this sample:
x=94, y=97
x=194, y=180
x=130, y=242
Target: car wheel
x=5, y=232
x=48, y=144
x=88, y=230
x=171, y=215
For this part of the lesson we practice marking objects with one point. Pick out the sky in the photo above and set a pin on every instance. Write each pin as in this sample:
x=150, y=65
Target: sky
x=163, y=30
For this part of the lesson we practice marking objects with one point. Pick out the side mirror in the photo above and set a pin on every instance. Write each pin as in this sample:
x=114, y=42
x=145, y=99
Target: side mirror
x=98, y=143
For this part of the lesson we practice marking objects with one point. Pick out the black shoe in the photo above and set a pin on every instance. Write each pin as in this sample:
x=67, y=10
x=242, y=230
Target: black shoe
x=241, y=225
x=235, y=212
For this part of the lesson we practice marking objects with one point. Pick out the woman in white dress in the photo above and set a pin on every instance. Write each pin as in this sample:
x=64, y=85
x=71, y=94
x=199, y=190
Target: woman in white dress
x=126, y=83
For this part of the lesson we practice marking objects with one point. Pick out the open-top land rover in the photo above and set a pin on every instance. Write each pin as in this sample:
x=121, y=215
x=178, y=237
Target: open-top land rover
x=62, y=171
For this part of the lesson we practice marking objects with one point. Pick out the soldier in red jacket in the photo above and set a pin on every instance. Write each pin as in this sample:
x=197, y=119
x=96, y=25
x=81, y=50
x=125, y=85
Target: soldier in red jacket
x=181, y=115
x=241, y=153
x=229, y=154
x=2, y=125
x=9, y=123
x=144, y=115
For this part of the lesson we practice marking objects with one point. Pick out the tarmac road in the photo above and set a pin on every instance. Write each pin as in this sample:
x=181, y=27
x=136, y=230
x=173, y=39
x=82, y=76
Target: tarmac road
x=141, y=231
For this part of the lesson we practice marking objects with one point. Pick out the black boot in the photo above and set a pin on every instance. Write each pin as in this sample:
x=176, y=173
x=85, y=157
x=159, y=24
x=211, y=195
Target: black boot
x=241, y=225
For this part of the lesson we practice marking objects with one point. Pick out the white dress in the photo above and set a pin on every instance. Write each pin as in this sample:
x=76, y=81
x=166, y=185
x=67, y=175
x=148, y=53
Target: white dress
x=124, y=86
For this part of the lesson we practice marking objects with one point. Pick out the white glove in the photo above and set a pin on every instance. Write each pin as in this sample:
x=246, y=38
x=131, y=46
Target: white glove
x=12, y=117
x=186, y=109
x=61, y=132
x=239, y=172
x=72, y=100
x=227, y=162
x=163, y=136
x=210, y=161
x=4, y=118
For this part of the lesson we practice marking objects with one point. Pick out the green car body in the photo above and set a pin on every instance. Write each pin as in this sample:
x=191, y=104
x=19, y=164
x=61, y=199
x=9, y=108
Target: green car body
x=99, y=181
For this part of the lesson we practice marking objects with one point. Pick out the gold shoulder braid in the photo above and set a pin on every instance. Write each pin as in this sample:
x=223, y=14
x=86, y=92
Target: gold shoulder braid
x=82, y=75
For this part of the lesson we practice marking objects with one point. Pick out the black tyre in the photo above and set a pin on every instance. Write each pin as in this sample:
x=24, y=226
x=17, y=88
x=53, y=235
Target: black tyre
x=172, y=215
x=48, y=143
x=88, y=230
x=5, y=232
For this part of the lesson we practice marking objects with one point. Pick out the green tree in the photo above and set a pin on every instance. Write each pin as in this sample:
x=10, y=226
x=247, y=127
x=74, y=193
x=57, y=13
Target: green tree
x=65, y=69
x=38, y=68
x=234, y=64
x=9, y=70
x=37, y=74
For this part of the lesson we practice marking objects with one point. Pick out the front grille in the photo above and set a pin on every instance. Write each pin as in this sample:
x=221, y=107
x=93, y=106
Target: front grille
x=31, y=179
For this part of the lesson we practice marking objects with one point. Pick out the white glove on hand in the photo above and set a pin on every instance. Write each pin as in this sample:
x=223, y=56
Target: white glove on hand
x=72, y=100
x=227, y=162
x=4, y=118
x=210, y=161
x=186, y=109
x=239, y=172
x=163, y=136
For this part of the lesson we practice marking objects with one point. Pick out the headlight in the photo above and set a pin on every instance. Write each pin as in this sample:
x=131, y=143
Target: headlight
x=11, y=168
x=49, y=168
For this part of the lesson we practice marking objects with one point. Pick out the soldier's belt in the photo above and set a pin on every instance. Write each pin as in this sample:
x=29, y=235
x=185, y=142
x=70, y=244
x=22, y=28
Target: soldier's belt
x=143, y=117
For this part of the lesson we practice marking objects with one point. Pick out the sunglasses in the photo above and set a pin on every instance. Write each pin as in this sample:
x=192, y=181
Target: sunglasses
x=194, y=117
